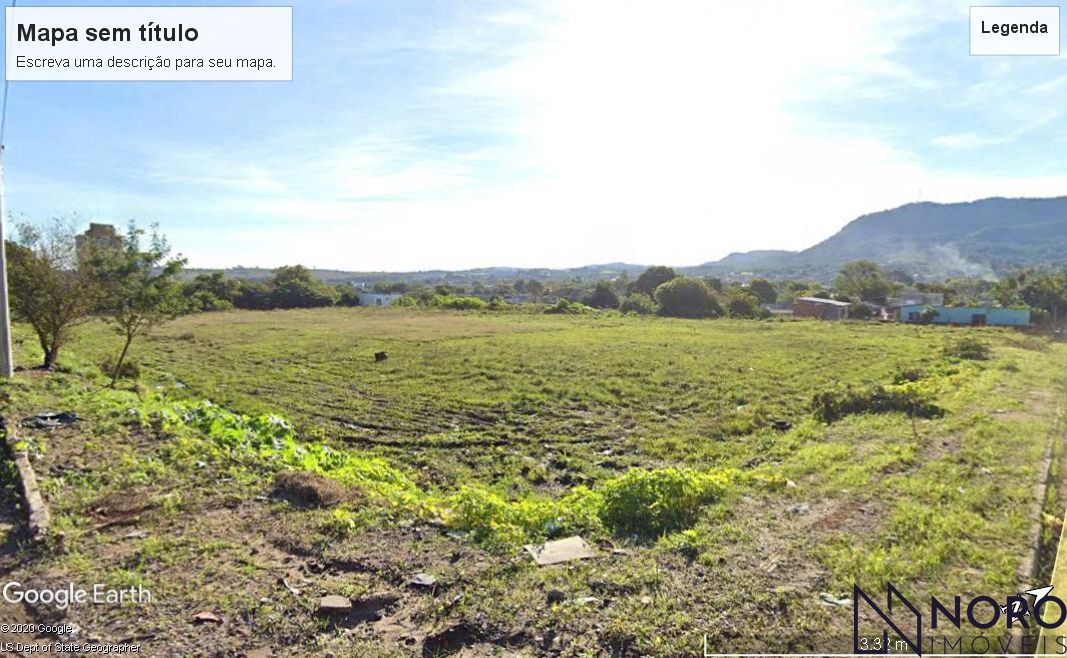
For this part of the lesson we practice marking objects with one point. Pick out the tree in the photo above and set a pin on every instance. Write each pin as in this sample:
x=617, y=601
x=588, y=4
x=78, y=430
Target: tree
x=653, y=278
x=346, y=295
x=863, y=280
x=604, y=296
x=638, y=304
x=714, y=283
x=212, y=292
x=686, y=298
x=535, y=288
x=140, y=287
x=743, y=304
x=294, y=286
x=1045, y=290
x=764, y=290
x=51, y=284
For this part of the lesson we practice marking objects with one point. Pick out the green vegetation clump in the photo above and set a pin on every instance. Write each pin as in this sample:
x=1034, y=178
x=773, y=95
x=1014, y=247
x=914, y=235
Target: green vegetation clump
x=642, y=502
x=566, y=307
x=687, y=298
x=911, y=398
x=969, y=348
x=460, y=303
x=638, y=304
x=649, y=502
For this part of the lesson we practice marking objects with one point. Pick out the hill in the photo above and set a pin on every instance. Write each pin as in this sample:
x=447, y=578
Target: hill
x=967, y=238
x=927, y=240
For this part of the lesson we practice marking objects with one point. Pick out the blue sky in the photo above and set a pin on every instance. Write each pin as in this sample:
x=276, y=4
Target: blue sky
x=421, y=135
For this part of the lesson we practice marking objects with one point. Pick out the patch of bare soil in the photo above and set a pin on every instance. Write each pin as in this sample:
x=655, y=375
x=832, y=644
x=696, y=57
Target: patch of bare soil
x=310, y=489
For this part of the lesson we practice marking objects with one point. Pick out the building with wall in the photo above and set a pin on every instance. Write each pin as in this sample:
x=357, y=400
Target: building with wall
x=972, y=316
x=819, y=308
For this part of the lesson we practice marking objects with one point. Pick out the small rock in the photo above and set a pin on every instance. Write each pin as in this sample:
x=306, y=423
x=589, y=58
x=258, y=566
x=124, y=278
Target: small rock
x=205, y=617
x=800, y=508
x=334, y=605
x=829, y=599
x=646, y=600
x=135, y=534
x=285, y=583
x=422, y=580
x=555, y=596
x=790, y=484
x=587, y=600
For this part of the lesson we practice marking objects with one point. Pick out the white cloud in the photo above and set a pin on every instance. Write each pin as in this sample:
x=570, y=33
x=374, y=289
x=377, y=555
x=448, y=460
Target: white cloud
x=641, y=131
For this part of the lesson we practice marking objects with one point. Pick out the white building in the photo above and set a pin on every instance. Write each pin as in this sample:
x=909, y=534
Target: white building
x=376, y=299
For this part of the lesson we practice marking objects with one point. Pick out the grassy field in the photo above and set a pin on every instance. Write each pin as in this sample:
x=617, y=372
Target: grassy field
x=745, y=516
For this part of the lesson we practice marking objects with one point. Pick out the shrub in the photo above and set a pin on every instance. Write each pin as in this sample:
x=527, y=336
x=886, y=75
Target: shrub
x=566, y=307
x=461, y=303
x=968, y=348
x=744, y=305
x=638, y=304
x=604, y=296
x=860, y=311
x=909, y=398
x=652, y=502
x=653, y=278
x=686, y=298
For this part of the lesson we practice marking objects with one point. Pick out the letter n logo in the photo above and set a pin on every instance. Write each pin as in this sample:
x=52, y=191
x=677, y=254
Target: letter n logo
x=914, y=643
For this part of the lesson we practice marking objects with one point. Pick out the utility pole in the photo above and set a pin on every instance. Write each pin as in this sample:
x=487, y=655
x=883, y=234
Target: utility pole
x=7, y=366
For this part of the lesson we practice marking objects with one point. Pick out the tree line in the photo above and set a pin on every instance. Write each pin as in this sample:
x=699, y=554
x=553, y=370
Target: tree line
x=59, y=280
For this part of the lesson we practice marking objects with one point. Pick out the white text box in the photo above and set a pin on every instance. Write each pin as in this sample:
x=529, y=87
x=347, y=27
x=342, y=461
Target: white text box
x=1015, y=30
x=149, y=43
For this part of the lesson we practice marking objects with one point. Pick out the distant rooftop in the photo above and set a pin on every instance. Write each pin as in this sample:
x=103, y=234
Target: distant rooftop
x=820, y=300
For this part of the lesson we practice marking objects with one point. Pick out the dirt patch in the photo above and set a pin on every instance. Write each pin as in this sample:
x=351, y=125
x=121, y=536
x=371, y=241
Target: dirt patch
x=308, y=489
x=122, y=507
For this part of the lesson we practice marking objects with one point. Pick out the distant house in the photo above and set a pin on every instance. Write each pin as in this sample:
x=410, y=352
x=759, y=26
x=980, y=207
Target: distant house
x=973, y=316
x=98, y=235
x=916, y=298
x=377, y=299
x=778, y=308
x=819, y=308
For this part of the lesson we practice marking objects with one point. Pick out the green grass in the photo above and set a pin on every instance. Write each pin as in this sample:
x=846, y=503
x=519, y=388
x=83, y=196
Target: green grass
x=650, y=434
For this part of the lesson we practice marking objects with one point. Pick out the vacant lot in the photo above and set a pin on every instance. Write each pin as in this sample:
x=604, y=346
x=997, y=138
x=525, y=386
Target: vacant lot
x=749, y=516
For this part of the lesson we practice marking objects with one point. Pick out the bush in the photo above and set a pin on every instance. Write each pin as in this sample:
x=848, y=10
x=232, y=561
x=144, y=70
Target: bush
x=968, y=348
x=652, y=278
x=744, y=305
x=686, y=298
x=652, y=502
x=457, y=303
x=204, y=300
x=603, y=297
x=860, y=311
x=566, y=307
x=830, y=406
x=638, y=304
